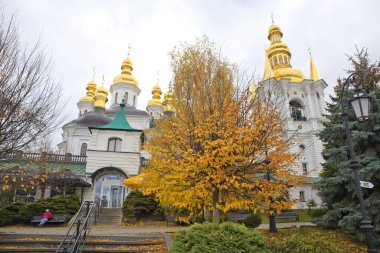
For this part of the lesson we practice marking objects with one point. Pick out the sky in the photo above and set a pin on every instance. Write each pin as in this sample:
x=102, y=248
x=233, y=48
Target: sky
x=81, y=35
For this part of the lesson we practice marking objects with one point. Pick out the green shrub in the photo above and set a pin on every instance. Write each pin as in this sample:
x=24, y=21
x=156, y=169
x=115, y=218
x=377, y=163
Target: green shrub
x=22, y=213
x=317, y=212
x=253, y=220
x=66, y=205
x=138, y=205
x=225, y=238
x=8, y=217
x=299, y=243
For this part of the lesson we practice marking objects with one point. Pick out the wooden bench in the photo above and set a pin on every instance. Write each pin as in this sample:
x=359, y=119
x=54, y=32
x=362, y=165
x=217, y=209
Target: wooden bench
x=239, y=217
x=57, y=219
x=287, y=215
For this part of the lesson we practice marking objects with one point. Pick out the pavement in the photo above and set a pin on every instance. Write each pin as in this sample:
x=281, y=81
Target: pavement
x=121, y=230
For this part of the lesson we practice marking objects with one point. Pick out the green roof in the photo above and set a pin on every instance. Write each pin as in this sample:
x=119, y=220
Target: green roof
x=119, y=123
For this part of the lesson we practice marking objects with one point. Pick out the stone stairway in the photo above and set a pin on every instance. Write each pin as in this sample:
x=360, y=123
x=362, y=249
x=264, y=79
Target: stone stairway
x=110, y=217
x=153, y=242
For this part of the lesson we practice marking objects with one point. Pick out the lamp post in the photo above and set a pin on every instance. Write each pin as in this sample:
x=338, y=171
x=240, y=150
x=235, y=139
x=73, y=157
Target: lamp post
x=361, y=105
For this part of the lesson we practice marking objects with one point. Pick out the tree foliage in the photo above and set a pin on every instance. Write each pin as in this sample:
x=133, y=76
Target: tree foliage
x=337, y=188
x=29, y=98
x=211, y=155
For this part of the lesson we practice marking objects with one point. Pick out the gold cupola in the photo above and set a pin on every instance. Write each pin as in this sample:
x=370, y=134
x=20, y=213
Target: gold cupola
x=168, y=100
x=90, y=94
x=278, y=58
x=101, y=97
x=156, y=98
x=126, y=73
x=314, y=74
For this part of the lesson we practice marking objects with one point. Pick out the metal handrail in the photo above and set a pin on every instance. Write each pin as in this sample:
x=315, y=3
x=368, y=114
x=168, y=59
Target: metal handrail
x=74, y=240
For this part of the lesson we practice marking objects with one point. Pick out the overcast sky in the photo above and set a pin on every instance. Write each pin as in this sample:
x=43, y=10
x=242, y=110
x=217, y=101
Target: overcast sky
x=83, y=34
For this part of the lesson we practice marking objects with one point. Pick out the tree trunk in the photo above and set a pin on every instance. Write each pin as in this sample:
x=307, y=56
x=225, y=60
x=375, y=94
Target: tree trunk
x=206, y=214
x=215, y=210
x=14, y=195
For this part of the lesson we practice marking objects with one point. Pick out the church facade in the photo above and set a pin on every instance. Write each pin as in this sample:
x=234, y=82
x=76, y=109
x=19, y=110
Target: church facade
x=111, y=137
x=303, y=106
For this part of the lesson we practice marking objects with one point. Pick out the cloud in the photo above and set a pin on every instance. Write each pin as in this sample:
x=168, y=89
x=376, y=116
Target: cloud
x=84, y=34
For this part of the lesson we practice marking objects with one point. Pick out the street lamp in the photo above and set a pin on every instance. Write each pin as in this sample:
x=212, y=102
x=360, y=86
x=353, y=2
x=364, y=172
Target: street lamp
x=361, y=105
x=272, y=218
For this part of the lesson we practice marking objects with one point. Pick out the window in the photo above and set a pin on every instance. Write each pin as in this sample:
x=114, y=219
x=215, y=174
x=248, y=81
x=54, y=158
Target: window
x=115, y=102
x=304, y=168
x=275, y=60
x=302, y=196
x=286, y=59
x=114, y=144
x=83, y=149
x=280, y=59
x=296, y=111
x=126, y=97
x=134, y=101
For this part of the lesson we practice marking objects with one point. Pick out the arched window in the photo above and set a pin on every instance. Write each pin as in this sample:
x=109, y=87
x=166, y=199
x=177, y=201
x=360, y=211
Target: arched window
x=280, y=59
x=286, y=59
x=83, y=149
x=115, y=98
x=296, y=111
x=134, y=101
x=275, y=60
x=114, y=144
x=302, y=196
x=126, y=97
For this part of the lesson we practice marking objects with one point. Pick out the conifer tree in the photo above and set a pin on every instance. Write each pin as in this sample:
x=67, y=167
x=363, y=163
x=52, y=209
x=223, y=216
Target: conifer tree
x=337, y=187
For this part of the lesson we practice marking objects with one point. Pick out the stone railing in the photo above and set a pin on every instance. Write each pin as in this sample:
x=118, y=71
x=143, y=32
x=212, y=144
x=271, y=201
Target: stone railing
x=44, y=156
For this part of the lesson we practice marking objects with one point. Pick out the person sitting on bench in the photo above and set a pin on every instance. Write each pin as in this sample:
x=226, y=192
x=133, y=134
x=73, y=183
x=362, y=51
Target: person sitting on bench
x=45, y=217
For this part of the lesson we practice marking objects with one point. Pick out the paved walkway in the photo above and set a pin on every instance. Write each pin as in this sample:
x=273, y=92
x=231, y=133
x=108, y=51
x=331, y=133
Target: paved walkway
x=121, y=231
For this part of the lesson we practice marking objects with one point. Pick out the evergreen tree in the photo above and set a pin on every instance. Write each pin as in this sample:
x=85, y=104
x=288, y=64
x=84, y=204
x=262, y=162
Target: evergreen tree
x=337, y=187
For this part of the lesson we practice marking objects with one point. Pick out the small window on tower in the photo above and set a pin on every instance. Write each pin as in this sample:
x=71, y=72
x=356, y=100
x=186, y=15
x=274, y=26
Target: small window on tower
x=304, y=168
x=134, y=101
x=126, y=97
x=280, y=59
x=286, y=59
x=275, y=61
x=302, y=196
x=115, y=102
x=296, y=111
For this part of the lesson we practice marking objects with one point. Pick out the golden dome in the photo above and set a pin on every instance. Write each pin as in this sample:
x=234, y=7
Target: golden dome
x=168, y=100
x=101, y=97
x=314, y=73
x=278, y=56
x=156, y=98
x=126, y=73
x=91, y=87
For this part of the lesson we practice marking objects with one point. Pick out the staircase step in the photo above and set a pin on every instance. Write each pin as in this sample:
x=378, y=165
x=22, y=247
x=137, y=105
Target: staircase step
x=12, y=243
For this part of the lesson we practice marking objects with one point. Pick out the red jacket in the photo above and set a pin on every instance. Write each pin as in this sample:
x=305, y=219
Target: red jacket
x=49, y=216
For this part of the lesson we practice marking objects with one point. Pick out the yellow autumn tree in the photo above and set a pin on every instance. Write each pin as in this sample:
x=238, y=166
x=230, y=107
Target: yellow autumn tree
x=216, y=151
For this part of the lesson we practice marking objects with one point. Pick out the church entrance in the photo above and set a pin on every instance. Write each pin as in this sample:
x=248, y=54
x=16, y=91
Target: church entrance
x=109, y=188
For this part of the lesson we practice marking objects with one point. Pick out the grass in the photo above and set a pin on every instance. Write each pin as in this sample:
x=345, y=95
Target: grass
x=343, y=242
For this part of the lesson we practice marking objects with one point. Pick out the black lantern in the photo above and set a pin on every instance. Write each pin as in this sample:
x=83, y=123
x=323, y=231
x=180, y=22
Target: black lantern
x=361, y=105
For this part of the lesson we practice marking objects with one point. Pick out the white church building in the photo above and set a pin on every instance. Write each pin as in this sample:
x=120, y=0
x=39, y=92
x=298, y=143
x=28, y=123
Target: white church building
x=111, y=137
